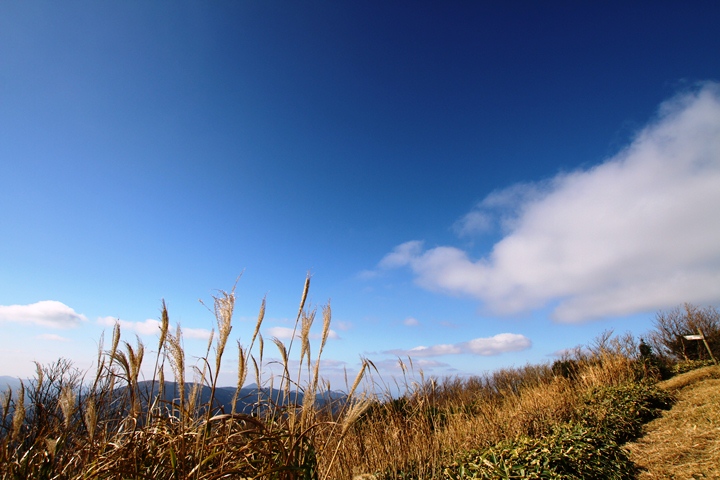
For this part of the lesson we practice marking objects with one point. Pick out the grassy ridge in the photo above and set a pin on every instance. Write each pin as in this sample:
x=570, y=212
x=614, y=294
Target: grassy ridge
x=566, y=420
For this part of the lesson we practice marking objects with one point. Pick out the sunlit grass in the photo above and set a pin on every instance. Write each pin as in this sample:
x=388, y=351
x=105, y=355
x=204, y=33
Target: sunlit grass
x=64, y=425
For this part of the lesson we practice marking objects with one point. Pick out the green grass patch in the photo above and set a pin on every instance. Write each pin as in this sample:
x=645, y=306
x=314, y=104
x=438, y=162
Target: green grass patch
x=588, y=447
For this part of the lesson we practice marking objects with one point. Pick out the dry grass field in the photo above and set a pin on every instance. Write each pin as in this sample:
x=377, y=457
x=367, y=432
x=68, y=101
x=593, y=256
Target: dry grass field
x=566, y=420
x=685, y=442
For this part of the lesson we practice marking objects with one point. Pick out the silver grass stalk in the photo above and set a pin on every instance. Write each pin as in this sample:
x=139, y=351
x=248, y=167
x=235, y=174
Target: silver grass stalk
x=67, y=404
x=177, y=363
x=261, y=317
x=90, y=417
x=242, y=374
x=224, y=306
x=6, y=399
x=19, y=414
x=303, y=298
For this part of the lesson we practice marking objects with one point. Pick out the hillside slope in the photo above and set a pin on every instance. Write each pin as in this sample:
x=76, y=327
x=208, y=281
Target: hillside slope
x=684, y=443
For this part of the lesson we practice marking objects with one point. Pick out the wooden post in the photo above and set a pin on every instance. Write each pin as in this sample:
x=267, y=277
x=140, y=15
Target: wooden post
x=707, y=346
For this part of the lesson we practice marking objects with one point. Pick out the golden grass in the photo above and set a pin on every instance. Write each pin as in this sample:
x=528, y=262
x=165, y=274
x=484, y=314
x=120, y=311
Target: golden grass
x=690, y=378
x=685, y=442
x=424, y=430
x=113, y=428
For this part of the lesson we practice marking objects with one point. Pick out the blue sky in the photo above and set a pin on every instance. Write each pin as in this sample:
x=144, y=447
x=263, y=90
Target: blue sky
x=473, y=184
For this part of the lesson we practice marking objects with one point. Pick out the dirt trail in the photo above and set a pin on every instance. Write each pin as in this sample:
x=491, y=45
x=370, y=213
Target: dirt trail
x=685, y=442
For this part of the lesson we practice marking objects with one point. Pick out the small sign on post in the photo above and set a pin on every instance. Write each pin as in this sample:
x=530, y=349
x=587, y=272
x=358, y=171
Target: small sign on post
x=701, y=337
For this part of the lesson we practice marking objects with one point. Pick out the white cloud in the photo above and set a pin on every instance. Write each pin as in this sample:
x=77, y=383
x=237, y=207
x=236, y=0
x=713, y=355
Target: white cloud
x=411, y=322
x=500, y=209
x=566, y=352
x=152, y=327
x=637, y=233
x=501, y=343
x=343, y=326
x=196, y=333
x=402, y=254
x=285, y=333
x=473, y=223
x=53, y=337
x=332, y=335
x=47, y=313
x=148, y=327
x=367, y=274
x=392, y=366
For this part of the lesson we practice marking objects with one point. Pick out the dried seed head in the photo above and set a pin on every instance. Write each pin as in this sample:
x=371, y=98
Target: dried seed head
x=19, y=414
x=40, y=375
x=327, y=316
x=257, y=371
x=357, y=409
x=261, y=346
x=6, y=398
x=67, y=404
x=224, y=305
x=100, y=358
x=307, y=320
x=306, y=287
x=161, y=380
x=261, y=316
x=90, y=417
x=358, y=378
x=242, y=374
x=164, y=325
x=283, y=351
x=135, y=358
x=177, y=361
x=194, y=394
x=242, y=366
x=116, y=339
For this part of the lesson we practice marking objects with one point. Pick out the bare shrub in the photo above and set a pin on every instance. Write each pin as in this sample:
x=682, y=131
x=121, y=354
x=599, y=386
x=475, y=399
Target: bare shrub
x=671, y=326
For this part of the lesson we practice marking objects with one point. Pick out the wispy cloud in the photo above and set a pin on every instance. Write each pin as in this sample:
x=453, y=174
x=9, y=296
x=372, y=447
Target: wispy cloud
x=447, y=324
x=152, y=327
x=47, y=313
x=402, y=255
x=392, y=366
x=411, y=322
x=500, y=209
x=148, y=327
x=53, y=337
x=367, y=274
x=637, y=233
x=501, y=343
x=343, y=326
x=332, y=334
x=285, y=333
x=196, y=333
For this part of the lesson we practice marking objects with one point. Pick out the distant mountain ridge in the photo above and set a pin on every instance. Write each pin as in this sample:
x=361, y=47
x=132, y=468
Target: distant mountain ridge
x=12, y=382
x=248, y=398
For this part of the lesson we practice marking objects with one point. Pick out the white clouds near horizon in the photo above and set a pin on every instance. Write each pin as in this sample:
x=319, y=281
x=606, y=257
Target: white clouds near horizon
x=46, y=313
x=638, y=232
x=495, y=345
